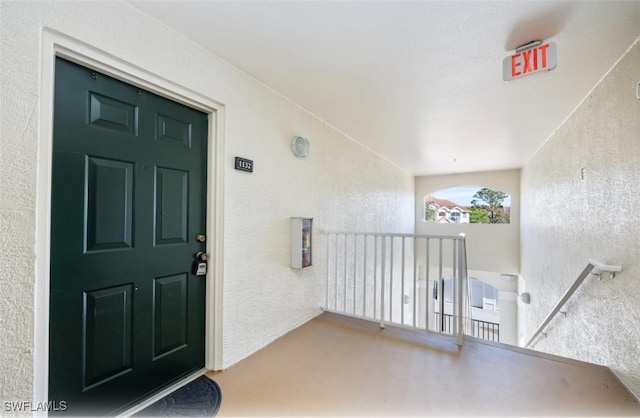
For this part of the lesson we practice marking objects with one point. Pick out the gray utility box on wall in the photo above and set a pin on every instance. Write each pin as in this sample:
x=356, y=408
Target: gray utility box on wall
x=301, y=234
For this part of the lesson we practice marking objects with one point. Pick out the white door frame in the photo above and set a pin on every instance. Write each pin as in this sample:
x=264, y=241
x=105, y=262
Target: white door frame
x=55, y=44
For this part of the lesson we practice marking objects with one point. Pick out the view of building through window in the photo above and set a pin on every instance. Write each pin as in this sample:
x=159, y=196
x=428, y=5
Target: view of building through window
x=468, y=204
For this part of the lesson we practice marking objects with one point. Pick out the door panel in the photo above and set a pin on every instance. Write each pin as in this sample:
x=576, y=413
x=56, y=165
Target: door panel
x=107, y=334
x=109, y=204
x=170, y=319
x=113, y=114
x=177, y=132
x=128, y=198
x=172, y=206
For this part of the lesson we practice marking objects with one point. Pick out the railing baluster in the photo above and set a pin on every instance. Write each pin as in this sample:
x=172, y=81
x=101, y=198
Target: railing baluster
x=336, y=276
x=326, y=282
x=415, y=281
x=383, y=273
x=426, y=285
x=391, y=255
x=402, y=320
x=355, y=270
x=344, y=280
x=441, y=286
x=375, y=275
x=462, y=281
x=454, y=284
x=364, y=278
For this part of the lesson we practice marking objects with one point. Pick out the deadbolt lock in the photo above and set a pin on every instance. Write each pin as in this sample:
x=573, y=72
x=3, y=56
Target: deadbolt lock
x=201, y=238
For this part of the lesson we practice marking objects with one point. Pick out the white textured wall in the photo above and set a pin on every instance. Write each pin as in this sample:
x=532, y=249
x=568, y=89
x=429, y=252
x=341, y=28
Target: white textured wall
x=492, y=248
x=18, y=129
x=566, y=221
x=341, y=184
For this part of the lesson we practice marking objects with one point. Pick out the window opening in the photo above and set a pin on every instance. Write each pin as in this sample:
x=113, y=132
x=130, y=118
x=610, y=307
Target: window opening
x=468, y=204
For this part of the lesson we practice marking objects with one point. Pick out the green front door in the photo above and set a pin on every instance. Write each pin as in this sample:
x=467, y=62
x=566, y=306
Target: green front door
x=128, y=200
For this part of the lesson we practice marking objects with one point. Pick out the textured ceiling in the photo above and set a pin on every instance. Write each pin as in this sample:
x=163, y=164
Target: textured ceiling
x=420, y=83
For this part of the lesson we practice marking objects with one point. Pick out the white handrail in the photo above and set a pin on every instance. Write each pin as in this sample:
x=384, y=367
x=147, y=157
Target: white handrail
x=393, y=234
x=600, y=267
x=593, y=267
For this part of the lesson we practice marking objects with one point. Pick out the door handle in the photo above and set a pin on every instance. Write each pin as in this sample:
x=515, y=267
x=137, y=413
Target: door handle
x=202, y=256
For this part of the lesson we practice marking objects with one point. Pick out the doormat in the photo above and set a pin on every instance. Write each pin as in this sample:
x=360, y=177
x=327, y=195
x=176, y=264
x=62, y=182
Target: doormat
x=200, y=398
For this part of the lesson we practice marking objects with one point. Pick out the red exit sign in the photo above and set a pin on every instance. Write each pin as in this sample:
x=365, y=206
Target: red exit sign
x=530, y=61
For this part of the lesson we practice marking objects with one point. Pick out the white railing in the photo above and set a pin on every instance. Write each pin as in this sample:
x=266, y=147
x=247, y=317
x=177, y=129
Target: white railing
x=595, y=268
x=386, y=278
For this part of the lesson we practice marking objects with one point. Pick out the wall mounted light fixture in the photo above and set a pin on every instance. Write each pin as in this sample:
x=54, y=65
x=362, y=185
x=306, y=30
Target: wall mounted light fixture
x=300, y=146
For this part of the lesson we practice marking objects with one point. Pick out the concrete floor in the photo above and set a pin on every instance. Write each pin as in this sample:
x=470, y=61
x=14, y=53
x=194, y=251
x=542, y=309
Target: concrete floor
x=336, y=366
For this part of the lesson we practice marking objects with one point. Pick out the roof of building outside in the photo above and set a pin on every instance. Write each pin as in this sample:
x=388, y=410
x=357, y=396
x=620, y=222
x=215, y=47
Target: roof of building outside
x=444, y=203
